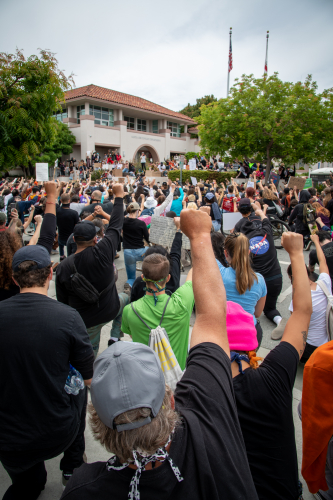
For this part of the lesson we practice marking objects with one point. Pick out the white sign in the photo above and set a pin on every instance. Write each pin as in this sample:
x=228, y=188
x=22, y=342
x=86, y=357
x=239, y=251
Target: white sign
x=192, y=163
x=250, y=184
x=220, y=164
x=181, y=158
x=88, y=153
x=42, y=172
x=194, y=181
x=230, y=219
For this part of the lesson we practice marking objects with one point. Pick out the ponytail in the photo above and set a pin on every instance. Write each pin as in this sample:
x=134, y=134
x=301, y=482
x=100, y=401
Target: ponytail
x=237, y=246
x=253, y=359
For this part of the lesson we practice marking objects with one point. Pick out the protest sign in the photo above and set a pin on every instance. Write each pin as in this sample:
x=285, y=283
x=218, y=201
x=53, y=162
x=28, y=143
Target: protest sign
x=192, y=163
x=308, y=184
x=230, y=220
x=250, y=184
x=299, y=182
x=194, y=181
x=42, y=172
x=162, y=232
x=273, y=177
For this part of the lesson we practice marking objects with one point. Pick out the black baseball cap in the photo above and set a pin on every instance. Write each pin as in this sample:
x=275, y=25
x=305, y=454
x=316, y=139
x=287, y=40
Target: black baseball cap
x=244, y=202
x=85, y=231
x=36, y=253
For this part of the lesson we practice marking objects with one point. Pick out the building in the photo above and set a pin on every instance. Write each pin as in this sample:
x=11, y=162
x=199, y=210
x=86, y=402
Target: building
x=103, y=119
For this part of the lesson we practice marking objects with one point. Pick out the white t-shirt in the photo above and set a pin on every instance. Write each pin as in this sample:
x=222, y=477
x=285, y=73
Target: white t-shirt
x=143, y=159
x=317, y=334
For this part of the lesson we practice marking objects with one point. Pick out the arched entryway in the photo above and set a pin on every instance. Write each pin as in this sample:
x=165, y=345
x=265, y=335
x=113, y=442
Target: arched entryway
x=146, y=149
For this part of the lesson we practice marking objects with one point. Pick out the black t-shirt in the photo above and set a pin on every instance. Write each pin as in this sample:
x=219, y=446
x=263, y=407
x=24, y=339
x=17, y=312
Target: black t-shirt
x=172, y=285
x=40, y=337
x=328, y=252
x=264, y=403
x=262, y=248
x=134, y=230
x=66, y=220
x=96, y=265
x=207, y=447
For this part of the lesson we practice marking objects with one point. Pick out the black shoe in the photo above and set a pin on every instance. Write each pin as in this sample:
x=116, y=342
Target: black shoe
x=65, y=478
x=111, y=341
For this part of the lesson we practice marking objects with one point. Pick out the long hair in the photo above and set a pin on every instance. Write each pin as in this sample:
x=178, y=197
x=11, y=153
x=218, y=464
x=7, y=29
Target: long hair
x=10, y=242
x=237, y=246
x=268, y=194
x=328, y=196
x=320, y=209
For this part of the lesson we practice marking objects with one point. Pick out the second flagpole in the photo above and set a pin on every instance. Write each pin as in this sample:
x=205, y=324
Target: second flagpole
x=229, y=60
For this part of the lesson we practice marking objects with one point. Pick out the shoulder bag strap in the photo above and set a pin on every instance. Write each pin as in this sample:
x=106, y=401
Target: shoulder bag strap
x=167, y=302
x=322, y=285
x=140, y=317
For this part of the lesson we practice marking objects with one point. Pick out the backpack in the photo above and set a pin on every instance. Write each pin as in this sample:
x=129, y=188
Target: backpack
x=2, y=202
x=228, y=204
x=309, y=217
x=329, y=309
x=160, y=344
x=83, y=288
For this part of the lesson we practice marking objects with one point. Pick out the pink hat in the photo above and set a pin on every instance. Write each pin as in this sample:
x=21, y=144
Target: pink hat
x=242, y=333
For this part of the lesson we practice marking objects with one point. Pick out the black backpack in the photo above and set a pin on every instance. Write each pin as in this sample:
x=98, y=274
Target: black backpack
x=83, y=288
x=2, y=202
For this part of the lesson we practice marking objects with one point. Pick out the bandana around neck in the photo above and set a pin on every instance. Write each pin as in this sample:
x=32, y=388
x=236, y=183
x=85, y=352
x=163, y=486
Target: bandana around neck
x=154, y=292
x=141, y=460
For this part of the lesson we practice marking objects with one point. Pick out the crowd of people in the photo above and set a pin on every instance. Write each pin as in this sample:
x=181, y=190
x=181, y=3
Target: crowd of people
x=194, y=414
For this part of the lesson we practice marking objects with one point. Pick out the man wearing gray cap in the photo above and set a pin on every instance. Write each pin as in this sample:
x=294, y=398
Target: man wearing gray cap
x=186, y=445
x=39, y=339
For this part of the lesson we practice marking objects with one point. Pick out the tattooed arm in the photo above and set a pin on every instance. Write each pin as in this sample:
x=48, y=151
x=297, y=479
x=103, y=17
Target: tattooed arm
x=296, y=330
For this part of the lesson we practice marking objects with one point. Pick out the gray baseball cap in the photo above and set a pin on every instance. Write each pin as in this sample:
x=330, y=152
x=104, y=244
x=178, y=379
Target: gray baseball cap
x=127, y=376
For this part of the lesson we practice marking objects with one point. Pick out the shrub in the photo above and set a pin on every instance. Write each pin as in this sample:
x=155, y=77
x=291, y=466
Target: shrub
x=190, y=154
x=205, y=175
x=97, y=174
x=301, y=168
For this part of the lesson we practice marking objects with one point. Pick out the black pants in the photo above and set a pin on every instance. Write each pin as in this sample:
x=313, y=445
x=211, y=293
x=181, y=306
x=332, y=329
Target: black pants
x=274, y=288
x=143, y=166
x=29, y=482
x=259, y=333
x=309, y=349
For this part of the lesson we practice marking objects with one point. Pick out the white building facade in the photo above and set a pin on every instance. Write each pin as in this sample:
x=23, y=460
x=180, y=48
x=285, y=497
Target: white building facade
x=103, y=120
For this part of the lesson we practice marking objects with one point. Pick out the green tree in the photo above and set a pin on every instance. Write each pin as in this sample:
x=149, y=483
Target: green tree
x=62, y=144
x=267, y=119
x=30, y=93
x=193, y=110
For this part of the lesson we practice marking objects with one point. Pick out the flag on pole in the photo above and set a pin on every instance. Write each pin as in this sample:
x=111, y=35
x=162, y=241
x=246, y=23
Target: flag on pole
x=230, y=54
x=266, y=58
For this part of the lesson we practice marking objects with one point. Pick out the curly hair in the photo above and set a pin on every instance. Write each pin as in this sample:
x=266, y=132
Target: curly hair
x=10, y=242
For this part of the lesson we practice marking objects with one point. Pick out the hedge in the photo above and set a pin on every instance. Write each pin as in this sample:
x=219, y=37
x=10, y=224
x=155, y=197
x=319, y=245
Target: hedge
x=205, y=175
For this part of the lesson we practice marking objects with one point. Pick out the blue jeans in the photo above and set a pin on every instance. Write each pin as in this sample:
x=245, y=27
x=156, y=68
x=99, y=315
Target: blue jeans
x=216, y=225
x=62, y=245
x=125, y=171
x=132, y=256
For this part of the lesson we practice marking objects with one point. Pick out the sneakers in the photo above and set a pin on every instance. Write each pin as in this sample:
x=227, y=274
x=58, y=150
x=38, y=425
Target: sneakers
x=54, y=252
x=318, y=496
x=278, y=331
x=65, y=478
x=308, y=246
x=111, y=341
x=127, y=289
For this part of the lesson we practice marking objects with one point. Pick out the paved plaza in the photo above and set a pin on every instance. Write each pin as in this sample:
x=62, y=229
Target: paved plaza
x=95, y=452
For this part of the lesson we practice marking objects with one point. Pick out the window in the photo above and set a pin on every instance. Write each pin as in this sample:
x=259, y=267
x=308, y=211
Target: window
x=155, y=126
x=142, y=125
x=61, y=115
x=175, y=129
x=103, y=116
x=80, y=110
x=130, y=122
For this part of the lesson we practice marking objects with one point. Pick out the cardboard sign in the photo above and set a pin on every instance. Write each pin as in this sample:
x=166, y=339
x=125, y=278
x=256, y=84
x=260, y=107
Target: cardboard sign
x=163, y=230
x=194, y=181
x=299, y=182
x=192, y=163
x=42, y=172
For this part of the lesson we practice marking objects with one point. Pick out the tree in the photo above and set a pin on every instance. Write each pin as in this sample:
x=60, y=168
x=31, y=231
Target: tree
x=30, y=93
x=63, y=143
x=193, y=110
x=268, y=119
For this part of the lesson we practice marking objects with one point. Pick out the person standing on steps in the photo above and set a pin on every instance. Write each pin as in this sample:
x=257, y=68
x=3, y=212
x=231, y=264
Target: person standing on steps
x=143, y=162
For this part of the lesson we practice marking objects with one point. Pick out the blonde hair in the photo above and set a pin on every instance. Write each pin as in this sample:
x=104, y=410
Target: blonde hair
x=147, y=438
x=237, y=246
x=268, y=194
x=192, y=206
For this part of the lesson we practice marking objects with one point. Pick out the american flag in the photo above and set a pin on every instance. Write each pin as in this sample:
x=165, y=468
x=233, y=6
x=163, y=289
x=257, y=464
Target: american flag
x=266, y=57
x=230, y=55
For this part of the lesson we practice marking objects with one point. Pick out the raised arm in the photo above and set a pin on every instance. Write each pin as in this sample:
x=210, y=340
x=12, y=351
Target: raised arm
x=210, y=324
x=323, y=268
x=31, y=214
x=296, y=330
x=48, y=229
x=35, y=237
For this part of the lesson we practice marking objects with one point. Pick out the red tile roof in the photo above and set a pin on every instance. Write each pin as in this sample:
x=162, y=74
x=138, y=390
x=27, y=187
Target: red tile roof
x=193, y=130
x=120, y=98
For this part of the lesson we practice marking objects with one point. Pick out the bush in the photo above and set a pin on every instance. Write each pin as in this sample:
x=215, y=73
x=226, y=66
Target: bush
x=97, y=174
x=190, y=154
x=205, y=175
x=301, y=168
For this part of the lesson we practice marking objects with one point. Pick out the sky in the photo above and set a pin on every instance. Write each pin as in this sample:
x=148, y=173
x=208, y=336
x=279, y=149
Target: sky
x=173, y=52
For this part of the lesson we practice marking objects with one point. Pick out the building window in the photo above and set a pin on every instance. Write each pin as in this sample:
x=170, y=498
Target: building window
x=175, y=129
x=130, y=122
x=142, y=125
x=155, y=126
x=80, y=110
x=103, y=116
x=61, y=115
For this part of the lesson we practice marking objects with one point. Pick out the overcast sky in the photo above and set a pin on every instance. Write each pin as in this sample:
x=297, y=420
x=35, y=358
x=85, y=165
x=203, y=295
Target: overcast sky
x=172, y=52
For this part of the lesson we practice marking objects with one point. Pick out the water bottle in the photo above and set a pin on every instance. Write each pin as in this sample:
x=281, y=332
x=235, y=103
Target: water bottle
x=74, y=382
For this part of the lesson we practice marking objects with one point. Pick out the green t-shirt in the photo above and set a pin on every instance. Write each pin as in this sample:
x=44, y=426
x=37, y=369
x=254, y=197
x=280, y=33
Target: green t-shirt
x=176, y=320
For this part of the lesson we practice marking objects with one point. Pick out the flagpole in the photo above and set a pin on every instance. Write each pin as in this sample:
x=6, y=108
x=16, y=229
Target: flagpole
x=229, y=60
x=266, y=58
